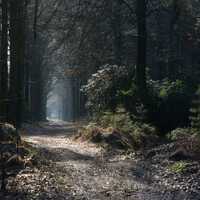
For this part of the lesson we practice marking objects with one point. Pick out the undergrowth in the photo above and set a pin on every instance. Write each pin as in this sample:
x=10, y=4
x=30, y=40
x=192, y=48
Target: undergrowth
x=178, y=167
x=121, y=130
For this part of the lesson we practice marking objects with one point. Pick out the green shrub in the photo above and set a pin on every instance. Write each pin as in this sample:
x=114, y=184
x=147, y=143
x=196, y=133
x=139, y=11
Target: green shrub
x=178, y=167
x=102, y=89
x=195, y=111
x=140, y=134
x=169, y=104
x=180, y=133
x=119, y=120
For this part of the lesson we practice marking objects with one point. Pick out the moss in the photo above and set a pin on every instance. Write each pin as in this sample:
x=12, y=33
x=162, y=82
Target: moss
x=178, y=167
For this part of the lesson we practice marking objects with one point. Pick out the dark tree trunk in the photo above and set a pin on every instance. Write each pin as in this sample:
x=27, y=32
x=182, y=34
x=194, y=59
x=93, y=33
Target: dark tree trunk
x=17, y=37
x=174, y=42
x=117, y=20
x=141, y=47
x=4, y=62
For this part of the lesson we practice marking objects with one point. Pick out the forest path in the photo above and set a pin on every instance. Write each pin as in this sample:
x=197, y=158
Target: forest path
x=87, y=172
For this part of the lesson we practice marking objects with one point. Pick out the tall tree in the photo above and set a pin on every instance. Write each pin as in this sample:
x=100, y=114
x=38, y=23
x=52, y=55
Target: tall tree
x=117, y=23
x=141, y=46
x=4, y=61
x=17, y=45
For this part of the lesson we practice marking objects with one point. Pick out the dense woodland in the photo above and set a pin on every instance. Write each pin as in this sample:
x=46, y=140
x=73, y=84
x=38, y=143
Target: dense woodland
x=150, y=50
x=129, y=65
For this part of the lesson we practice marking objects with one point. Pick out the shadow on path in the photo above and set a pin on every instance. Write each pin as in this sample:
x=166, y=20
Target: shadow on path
x=65, y=155
x=93, y=176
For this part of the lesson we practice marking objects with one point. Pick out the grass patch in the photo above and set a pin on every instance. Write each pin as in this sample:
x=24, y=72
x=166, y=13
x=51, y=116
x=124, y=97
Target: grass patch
x=178, y=167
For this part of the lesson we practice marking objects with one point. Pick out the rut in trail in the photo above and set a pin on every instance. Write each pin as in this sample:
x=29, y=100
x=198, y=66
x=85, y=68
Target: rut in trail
x=93, y=175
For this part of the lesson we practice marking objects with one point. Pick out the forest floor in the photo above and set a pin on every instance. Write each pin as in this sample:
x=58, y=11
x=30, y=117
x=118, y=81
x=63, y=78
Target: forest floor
x=75, y=170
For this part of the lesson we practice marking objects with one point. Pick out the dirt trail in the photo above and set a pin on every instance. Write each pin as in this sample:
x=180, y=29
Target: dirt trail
x=89, y=173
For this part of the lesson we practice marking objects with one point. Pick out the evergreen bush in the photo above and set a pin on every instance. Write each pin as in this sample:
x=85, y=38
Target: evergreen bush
x=195, y=111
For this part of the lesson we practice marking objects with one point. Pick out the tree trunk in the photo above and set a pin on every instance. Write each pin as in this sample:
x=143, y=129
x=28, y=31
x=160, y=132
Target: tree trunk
x=4, y=62
x=17, y=37
x=117, y=32
x=141, y=47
